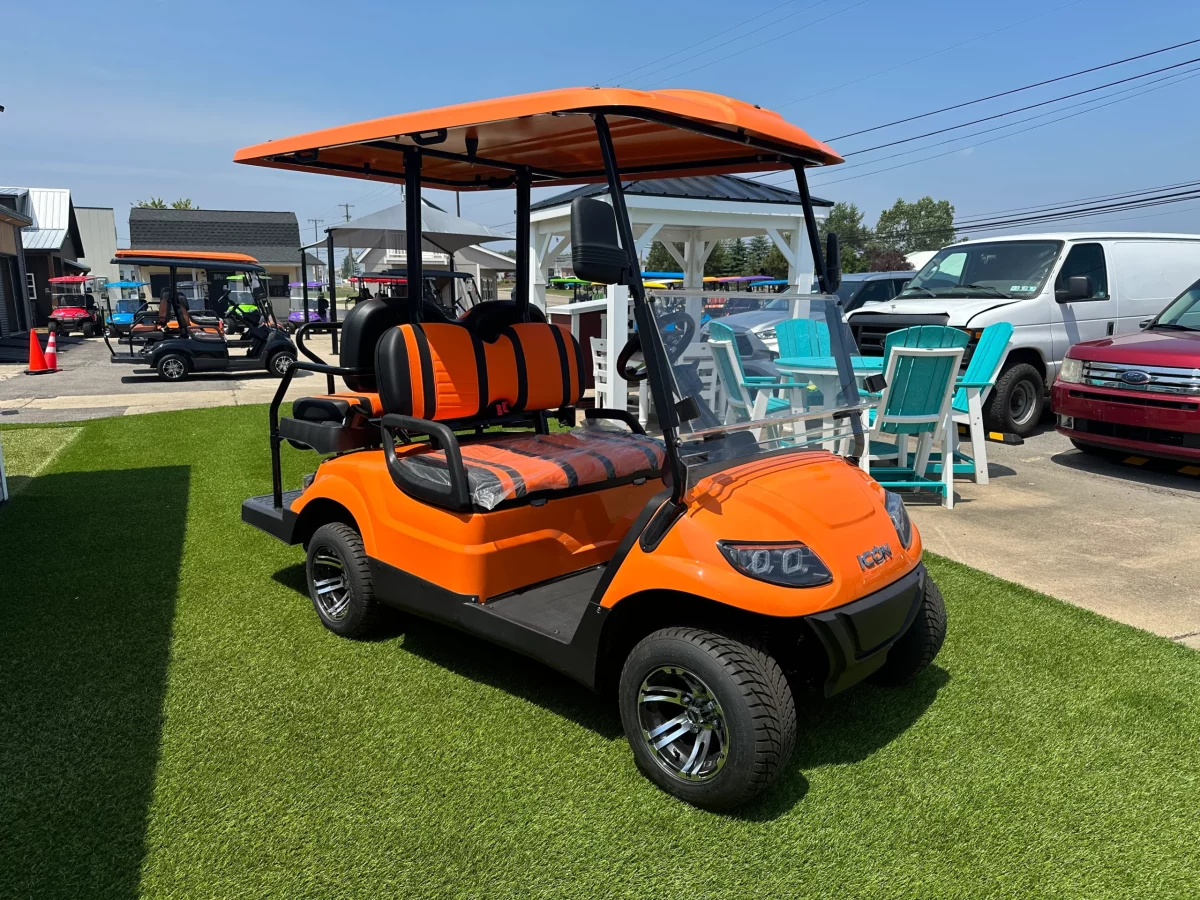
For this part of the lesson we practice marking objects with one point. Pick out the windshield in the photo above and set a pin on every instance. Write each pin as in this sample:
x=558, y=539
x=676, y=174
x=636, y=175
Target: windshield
x=128, y=306
x=1010, y=269
x=847, y=288
x=741, y=415
x=1183, y=313
x=779, y=304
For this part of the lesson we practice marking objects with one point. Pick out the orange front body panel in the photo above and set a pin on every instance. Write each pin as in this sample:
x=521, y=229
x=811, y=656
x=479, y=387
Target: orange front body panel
x=477, y=554
x=817, y=498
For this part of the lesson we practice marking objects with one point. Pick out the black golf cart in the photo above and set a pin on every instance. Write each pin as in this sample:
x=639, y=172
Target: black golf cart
x=189, y=335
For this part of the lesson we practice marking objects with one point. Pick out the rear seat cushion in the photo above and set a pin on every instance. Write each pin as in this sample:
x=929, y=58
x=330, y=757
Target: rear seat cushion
x=519, y=466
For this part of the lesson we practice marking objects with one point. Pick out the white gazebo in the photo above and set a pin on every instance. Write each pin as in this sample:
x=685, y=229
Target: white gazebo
x=696, y=212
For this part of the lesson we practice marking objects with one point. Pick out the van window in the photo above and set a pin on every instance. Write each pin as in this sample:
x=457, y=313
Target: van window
x=1085, y=259
x=1011, y=269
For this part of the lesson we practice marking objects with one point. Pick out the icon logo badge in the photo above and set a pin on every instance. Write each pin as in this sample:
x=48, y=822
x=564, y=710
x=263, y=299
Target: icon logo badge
x=874, y=557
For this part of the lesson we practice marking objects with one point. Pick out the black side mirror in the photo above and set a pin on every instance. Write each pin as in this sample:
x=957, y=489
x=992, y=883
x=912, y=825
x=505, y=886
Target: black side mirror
x=596, y=254
x=1145, y=323
x=833, y=261
x=1079, y=287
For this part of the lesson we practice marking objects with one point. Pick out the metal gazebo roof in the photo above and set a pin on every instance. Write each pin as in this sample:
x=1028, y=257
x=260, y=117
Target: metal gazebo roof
x=442, y=232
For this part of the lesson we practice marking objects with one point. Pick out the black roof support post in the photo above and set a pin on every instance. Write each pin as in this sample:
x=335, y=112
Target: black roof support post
x=524, y=184
x=810, y=223
x=332, y=293
x=412, y=230
x=658, y=366
x=304, y=281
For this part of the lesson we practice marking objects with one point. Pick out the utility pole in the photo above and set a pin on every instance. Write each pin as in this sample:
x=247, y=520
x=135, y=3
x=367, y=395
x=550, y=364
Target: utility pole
x=347, y=207
x=315, y=223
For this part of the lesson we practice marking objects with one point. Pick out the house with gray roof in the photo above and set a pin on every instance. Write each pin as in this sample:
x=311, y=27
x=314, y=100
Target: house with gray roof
x=52, y=241
x=273, y=238
x=15, y=312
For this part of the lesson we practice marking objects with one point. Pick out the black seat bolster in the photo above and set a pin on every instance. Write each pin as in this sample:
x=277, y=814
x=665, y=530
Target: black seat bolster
x=329, y=437
x=321, y=409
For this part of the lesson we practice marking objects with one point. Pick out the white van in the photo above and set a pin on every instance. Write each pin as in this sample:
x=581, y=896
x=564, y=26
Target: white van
x=1055, y=289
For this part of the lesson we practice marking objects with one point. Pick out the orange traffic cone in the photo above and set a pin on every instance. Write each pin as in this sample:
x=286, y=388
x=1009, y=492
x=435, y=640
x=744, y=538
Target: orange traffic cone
x=37, y=361
x=52, y=353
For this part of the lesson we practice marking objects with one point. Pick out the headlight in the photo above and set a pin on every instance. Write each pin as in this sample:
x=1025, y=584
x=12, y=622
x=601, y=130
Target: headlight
x=789, y=564
x=1071, y=370
x=899, y=516
x=767, y=334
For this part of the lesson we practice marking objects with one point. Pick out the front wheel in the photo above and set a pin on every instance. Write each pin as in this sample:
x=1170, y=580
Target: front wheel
x=710, y=719
x=917, y=647
x=1017, y=400
x=172, y=367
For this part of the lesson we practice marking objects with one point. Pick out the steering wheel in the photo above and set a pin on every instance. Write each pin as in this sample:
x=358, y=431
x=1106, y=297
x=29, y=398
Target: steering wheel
x=677, y=330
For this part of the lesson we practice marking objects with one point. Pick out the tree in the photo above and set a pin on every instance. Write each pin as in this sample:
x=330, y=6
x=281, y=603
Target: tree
x=775, y=264
x=885, y=259
x=718, y=260
x=739, y=257
x=349, y=266
x=660, y=259
x=152, y=203
x=846, y=221
x=927, y=224
x=183, y=203
x=756, y=253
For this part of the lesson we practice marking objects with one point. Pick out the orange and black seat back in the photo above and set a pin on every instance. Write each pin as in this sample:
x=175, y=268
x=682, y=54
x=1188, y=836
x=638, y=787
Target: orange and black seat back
x=549, y=358
x=433, y=371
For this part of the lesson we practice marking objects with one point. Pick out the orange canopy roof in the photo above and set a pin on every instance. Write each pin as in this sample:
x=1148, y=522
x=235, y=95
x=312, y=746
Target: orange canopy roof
x=657, y=134
x=186, y=254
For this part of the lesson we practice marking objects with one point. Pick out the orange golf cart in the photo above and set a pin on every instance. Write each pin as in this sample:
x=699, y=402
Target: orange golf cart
x=704, y=575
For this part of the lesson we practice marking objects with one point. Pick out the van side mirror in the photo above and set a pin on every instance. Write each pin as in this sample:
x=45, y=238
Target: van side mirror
x=596, y=254
x=1079, y=287
x=833, y=261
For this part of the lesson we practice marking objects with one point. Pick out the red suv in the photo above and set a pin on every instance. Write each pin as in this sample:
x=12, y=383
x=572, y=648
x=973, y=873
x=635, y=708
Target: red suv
x=1138, y=392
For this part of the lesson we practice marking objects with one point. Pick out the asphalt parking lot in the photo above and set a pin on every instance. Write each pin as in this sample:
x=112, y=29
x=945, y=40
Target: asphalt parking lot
x=1114, y=537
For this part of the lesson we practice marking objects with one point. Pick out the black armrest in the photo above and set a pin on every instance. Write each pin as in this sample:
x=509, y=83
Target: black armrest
x=621, y=415
x=314, y=328
x=457, y=495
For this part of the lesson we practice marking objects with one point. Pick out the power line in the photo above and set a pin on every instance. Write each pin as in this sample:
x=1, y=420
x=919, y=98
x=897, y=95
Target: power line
x=917, y=59
x=315, y=223
x=1018, y=90
x=1021, y=109
x=1043, y=207
x=761, y=44
x=914, y=162
x=719, y=34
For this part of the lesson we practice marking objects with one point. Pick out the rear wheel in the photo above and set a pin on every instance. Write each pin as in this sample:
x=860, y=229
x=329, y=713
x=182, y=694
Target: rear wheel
x=88, y=330
x=173, y=367
x=710, y=719
x=1017, y=400
x=280, y=361
x=917, y=647
x=339, y=581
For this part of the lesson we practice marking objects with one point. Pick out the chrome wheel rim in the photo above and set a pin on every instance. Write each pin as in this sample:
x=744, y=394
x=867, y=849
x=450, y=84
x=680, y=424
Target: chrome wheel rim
x=173, y=368
x=1021, y=402
x=282, y=363
x=682, y=724
x=330, y=590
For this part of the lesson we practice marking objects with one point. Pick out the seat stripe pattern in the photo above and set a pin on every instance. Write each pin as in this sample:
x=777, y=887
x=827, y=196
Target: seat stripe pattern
x=512, y=467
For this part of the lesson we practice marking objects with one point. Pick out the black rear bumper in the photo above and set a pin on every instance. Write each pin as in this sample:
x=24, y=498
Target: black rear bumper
x=263, y=515
x=857, y=636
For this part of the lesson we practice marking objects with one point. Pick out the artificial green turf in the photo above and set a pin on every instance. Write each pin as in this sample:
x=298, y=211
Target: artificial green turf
x=174, y=722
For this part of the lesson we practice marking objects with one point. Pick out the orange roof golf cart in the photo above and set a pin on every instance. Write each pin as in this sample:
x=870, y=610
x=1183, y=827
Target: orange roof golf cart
x=702, y=576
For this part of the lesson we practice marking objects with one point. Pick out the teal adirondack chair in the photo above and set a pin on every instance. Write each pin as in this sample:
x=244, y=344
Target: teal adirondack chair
x=967, y=407
x=803, y=337
x=927, y=337
x=748, y=397
x=917, y=403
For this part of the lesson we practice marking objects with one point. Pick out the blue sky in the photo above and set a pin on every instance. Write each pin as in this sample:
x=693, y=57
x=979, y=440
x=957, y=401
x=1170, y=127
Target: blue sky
x=154, y=100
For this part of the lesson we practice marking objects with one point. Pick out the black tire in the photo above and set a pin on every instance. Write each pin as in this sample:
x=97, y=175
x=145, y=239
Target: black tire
x=280, y=360
x=354, y=613
x=87, y=330
x=1017, y=400
x=173, y=367
x=754, y=708
x=917, y=647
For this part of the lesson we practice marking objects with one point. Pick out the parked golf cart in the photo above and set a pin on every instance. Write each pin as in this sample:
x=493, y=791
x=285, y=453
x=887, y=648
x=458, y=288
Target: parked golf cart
x=301, y=308
x=179, y=342
x=121, y=309
x=703, y=577
x=74, y=306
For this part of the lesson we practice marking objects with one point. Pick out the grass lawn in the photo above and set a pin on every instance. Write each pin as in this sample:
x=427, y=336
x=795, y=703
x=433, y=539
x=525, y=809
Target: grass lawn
x=174, y=722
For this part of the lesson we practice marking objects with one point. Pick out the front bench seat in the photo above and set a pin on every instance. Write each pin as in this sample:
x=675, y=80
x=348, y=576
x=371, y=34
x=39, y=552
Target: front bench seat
x=431, y=374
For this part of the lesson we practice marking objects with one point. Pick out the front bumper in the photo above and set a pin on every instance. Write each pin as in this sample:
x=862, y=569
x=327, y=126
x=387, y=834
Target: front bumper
x=1154, y=424
x=857, y=636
